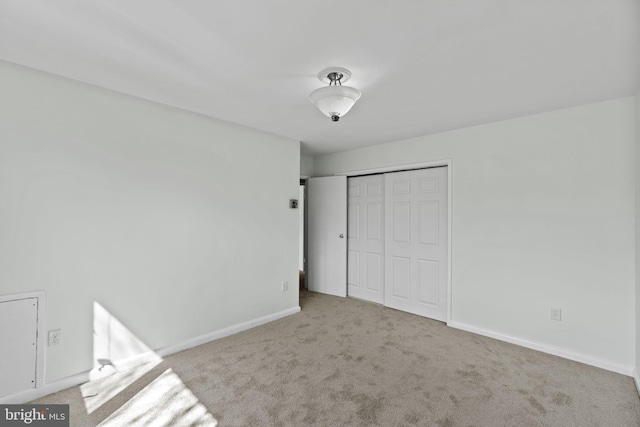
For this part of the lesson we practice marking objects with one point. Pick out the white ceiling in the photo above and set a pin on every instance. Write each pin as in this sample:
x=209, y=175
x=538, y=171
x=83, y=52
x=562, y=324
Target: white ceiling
x=423, y=66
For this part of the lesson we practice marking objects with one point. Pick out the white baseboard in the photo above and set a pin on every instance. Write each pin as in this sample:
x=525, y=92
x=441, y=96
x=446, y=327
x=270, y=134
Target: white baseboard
x=556, y=351
x=636, y=378
x=221, y=333
x=83, y=377
x=52, y=387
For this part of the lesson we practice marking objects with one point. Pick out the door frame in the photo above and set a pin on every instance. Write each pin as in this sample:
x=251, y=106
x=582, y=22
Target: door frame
x=303, y=178
x=424, y=165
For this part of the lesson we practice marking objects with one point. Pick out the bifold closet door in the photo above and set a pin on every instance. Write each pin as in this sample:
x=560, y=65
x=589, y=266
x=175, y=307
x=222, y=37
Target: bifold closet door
x=416, y=242
x=365, y=244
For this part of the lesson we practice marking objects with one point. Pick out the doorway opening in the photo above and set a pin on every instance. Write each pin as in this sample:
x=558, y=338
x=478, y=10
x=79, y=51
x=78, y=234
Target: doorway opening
x=302, y=248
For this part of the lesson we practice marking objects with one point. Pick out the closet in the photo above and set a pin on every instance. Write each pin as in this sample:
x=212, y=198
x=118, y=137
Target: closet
x=397, y=240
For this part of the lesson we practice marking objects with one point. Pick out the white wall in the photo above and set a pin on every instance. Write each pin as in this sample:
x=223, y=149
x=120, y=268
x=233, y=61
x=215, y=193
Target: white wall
x=306, y=166
x=165, y=218
x=543, y=216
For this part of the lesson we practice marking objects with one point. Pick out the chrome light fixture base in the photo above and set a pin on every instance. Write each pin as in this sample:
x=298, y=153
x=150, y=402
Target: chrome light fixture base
x=341, y=74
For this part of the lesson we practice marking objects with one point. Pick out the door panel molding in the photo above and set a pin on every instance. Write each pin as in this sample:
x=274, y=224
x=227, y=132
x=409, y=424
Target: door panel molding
x=366, y=238
x=414, y=220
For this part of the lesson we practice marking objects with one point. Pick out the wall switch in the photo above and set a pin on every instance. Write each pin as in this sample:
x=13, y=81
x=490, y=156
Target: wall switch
x=285, y=286
x=556, y=313
x=54, y=337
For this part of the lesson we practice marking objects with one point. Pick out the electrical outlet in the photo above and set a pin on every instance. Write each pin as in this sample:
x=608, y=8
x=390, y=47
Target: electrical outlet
x=556, y=313
x=54, y=337
x=285, y=286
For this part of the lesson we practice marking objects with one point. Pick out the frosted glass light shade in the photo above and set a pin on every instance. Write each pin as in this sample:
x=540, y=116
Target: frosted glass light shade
x=335, y=101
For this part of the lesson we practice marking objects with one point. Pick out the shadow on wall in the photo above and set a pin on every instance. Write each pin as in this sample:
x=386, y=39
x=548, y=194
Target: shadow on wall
x=131, y=384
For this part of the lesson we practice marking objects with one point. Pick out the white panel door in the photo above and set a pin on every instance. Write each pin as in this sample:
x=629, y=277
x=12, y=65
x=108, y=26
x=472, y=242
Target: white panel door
x=365, y=232
x=416, y=242
x=326, y=230
x=18, y=335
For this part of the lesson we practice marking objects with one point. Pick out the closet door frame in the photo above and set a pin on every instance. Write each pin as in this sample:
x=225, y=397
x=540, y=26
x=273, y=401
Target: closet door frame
x=422, y=165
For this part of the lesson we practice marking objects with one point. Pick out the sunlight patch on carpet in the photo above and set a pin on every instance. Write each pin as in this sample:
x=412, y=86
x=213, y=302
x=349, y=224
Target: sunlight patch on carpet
x=100, y=391
x=129, y=382
x=165, y=401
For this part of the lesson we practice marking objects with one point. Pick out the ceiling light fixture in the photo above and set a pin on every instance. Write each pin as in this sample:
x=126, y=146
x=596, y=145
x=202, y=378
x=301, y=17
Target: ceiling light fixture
x=334, y=100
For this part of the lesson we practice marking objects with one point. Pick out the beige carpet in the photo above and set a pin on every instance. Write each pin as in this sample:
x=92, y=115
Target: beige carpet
x=344, y=362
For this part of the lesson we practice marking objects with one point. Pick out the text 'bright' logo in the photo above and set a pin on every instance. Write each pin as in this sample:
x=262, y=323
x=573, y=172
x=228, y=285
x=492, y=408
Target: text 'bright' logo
x=39, y=415
x=26, y=416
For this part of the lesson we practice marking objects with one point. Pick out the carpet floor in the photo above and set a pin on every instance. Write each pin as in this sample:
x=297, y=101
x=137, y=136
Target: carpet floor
x=344, y=362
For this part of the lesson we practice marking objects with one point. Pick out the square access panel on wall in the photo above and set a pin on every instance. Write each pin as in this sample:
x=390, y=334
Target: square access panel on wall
x=22, y=338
